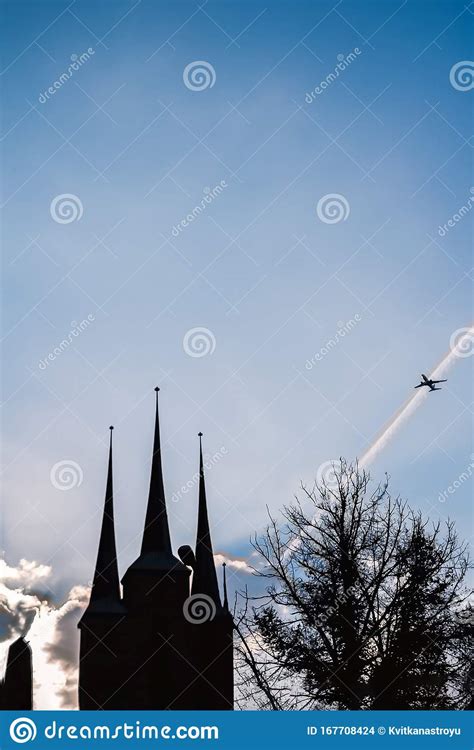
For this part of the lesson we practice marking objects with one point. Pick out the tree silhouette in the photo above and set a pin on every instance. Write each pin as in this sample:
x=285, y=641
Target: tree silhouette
x=364, y=606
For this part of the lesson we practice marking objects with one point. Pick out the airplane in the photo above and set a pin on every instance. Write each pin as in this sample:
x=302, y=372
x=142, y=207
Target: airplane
x=431, y=384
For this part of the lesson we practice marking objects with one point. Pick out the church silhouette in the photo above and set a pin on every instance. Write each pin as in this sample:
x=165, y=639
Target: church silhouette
x=162, y=643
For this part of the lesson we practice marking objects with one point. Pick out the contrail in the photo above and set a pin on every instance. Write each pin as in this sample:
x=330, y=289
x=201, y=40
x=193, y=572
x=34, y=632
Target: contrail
x=461, y=345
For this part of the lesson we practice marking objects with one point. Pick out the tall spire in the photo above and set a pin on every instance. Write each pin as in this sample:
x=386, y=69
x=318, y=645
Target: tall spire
x=205, y=577
x=156, y=535
x=105, y=586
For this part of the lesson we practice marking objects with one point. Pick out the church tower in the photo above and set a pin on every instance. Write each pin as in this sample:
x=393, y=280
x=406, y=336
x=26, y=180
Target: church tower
x=145, y=649
x=212, y=637
x=155, y=588
x=16, y=690
x=102, y=638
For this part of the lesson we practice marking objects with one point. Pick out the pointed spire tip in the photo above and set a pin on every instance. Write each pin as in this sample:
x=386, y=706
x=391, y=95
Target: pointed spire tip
x=225, y=602
x=156, y=535
x=200, y=434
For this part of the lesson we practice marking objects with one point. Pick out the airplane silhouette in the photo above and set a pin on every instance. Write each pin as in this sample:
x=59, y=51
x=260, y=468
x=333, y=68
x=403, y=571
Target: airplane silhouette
x=429, y=383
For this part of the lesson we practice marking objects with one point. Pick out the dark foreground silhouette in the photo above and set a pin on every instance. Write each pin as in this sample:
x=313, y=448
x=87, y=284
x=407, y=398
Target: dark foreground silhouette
x=162, y=645
x=365, y=606
x=16, y=688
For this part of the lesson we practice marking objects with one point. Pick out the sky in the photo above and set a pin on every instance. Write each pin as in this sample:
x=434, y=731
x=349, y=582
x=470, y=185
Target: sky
x=321, y=152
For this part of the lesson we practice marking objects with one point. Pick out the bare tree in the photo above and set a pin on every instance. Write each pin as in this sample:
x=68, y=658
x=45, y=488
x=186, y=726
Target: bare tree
x=364, y=605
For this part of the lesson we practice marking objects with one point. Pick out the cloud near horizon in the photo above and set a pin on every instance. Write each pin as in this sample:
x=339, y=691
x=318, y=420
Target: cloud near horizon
x=28, y=608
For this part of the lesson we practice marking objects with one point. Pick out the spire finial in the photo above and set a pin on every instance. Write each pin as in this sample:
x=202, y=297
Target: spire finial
x=157, y=390
x=201, y=463
x=225, y=603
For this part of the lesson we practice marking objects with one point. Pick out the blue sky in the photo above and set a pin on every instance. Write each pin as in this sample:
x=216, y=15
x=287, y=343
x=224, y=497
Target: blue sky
x=258, y=268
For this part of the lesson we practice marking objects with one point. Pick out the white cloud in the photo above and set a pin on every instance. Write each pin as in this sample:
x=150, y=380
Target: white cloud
x=26, y=573
x=238, y=563
x=49, y=628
